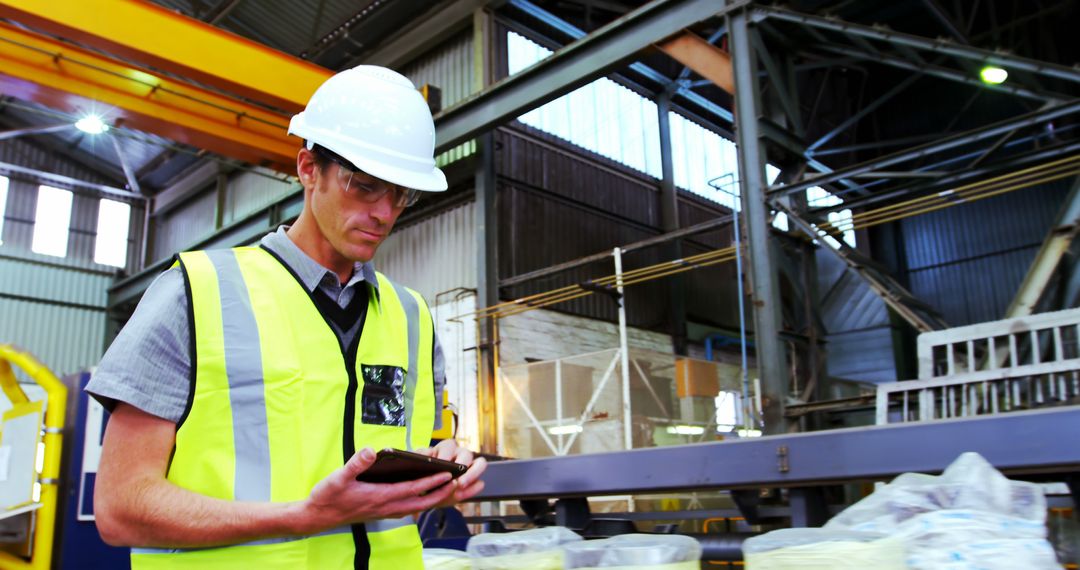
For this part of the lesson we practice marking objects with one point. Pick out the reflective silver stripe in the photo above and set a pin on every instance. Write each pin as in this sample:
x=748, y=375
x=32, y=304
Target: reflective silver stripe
x=383, y=525
x=412, y=316
x=278, y=540
x=243, y=365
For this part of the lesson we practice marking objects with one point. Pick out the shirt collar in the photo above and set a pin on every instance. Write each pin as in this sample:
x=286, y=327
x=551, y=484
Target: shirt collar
x=310, y=272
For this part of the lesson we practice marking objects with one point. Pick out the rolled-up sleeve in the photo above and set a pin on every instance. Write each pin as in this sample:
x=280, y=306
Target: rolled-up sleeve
x=438, y=366
x=148, y=364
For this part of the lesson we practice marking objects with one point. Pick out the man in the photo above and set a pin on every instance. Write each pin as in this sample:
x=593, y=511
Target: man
x=251, y=386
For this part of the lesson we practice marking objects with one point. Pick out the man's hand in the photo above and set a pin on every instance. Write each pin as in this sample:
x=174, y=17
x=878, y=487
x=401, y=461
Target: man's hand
x=340, y=499
x=468, y=485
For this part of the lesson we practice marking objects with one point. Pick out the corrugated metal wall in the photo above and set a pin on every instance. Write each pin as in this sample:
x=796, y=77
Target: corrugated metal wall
x=54, y=307
x=433, y=255
x=968, y=261
x=185, y=225
x=557, y=203
x=55, y=312
x=450, y=68
x=856, y=320
x=189, y=220
x=252, y=191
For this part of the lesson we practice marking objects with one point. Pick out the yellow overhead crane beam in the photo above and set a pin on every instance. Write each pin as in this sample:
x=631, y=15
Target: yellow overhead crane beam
x=151, y=35
x=39, y=68
x=700, y=56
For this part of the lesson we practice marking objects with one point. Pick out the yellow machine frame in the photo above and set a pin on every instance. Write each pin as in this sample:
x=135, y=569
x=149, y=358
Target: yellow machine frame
x=45, y=529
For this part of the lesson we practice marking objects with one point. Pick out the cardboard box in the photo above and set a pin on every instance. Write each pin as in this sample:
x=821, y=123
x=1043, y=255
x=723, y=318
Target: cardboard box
x=696, y=378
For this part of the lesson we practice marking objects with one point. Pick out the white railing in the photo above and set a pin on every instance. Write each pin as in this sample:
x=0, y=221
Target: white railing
x=990, y=368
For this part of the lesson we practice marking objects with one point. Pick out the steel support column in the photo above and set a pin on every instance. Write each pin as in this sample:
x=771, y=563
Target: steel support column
x=487, y=287
x=771, y=356
x=669, y=216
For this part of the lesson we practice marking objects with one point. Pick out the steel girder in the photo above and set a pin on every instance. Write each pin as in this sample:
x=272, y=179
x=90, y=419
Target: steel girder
x=937, y=46
x=571, y=67
x=152, y=35
x=39, y=68
x=958, y=140
x=1017, y=443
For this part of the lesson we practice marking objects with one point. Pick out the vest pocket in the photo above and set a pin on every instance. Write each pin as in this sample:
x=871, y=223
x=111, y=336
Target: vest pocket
x=383, y=398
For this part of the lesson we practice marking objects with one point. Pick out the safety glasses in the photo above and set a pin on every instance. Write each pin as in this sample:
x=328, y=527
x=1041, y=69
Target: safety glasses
x=367, y=188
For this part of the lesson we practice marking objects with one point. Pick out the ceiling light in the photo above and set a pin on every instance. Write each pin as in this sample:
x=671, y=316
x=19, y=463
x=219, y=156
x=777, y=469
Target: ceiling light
x=564, y=430
x=749, y=433
x=993, y=75
x=686, y=430
x=91, y=124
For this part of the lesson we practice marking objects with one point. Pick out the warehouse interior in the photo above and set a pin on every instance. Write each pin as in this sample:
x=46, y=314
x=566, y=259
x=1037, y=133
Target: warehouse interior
x=707, y=268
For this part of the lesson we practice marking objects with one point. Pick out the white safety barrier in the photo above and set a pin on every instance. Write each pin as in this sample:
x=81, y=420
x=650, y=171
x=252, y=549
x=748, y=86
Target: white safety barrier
x=989, y=368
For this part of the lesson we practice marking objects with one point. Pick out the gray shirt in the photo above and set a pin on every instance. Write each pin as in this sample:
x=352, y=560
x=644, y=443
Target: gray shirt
x=148, y=364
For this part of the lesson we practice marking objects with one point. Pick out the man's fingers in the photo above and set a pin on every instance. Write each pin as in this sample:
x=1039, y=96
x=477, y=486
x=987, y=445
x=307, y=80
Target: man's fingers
x=466, y=493
x=408, y=489
x=474, y=472
x=464, y=456
x=359, y=462
x=446, y=450
x=428, y=501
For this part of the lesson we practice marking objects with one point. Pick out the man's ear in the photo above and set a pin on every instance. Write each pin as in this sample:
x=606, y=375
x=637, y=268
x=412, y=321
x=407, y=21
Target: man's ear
x=306, y=167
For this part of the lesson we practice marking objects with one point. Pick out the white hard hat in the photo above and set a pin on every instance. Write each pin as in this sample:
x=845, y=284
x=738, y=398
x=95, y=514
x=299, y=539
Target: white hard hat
x=376, y=119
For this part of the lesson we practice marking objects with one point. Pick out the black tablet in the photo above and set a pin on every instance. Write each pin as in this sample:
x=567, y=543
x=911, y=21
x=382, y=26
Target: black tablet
x=395, y=466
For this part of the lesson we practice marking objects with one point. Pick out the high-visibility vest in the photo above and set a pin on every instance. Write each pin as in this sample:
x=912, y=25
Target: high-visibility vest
x=278, y=404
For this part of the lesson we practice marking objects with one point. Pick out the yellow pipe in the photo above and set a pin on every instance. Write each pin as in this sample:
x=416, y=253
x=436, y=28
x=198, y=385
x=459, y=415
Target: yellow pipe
x=966, y=194
x=585, y=293
x=45, y=528
x=608, y=280
x=10, y=385
x=962, y=190
x=1014, y=174
x=667, y=269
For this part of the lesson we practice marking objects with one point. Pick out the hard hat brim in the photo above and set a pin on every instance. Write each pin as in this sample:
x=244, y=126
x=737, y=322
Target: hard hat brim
x=377, y=161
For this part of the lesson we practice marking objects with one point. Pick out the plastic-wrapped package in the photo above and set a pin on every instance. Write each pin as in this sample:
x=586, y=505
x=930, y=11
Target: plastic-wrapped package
x=446, y=559
x=969, y=483
x=636, y=552
x=963, y=539
x=970, y=517
x=821, y=549
x=534, y=549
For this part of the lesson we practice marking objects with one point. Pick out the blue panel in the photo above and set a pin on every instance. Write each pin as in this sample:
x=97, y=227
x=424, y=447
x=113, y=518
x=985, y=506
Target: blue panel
x=79, y=546
x=866, y=355
x=968, y=261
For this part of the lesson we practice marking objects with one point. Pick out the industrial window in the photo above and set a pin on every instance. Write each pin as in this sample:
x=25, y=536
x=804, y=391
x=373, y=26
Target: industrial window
x=52, y=221
x=615, y=122
x=111, y=246
x=3, y=204
x=819, y=198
